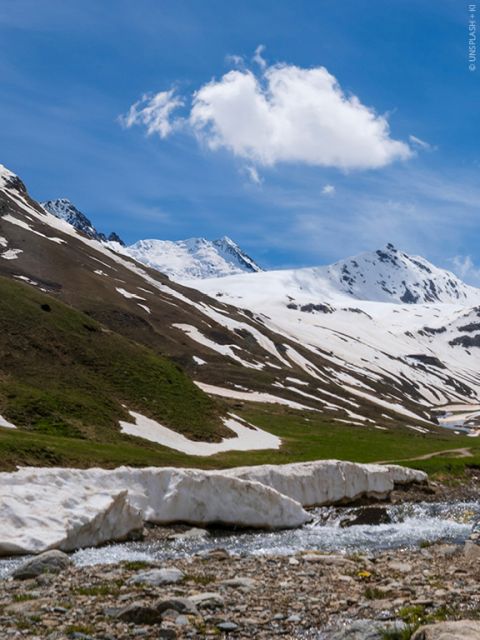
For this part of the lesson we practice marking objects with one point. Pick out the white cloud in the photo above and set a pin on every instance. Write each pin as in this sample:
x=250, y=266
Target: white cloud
x=154, y=111
x=328, y=190
x=418, y=142
x=253, y=174
x=466, y=268
x=258, y=58
x=282, y=114
x=292, y=115
x=234, y=60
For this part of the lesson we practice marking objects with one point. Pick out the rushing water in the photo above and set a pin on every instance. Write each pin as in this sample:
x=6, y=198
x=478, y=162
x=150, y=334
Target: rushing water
x=409, y=525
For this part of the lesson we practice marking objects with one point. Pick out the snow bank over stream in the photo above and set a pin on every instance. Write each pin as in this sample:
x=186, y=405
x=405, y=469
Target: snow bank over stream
x=67, y=509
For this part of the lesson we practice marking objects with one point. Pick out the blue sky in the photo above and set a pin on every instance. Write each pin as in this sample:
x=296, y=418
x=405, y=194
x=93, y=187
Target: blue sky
x=278, y=155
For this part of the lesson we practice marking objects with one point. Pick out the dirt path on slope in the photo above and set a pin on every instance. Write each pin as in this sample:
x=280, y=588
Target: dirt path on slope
x=464, y=452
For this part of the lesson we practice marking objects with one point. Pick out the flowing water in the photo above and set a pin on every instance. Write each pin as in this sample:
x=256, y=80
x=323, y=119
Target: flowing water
x=408, y=525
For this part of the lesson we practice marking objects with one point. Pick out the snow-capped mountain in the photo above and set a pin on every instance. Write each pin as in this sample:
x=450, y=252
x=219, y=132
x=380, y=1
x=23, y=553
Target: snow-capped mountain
x=65, y=210
x=180, y=260
x=385, y=275
x=345, y=340
x=390, y=275
x=193, y=258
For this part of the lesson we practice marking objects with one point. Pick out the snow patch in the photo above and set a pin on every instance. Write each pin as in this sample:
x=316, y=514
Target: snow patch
x=248, y=438
x=11, y=254
x=127, y=294
x=25, y=225
x=144, y=307
x=250, y=396
x=6, y=423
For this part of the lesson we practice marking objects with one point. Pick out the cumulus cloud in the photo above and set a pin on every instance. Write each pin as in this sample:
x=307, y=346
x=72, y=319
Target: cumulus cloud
x=292, y=115
x=154, y=111
x=328, y=190
x=282, y=114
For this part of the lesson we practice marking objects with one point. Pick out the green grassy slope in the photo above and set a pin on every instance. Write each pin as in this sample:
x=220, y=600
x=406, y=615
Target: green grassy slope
x=66, y=380
x=63, y=374
x=305, y=436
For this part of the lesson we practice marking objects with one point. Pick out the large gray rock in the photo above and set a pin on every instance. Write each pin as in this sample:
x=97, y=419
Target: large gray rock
x=49, y=562
x=157, y=577
x=367, y=630
x=458, y=630
x=182, y=605
x=471, y=551
x=142, y=613
x=208, y=600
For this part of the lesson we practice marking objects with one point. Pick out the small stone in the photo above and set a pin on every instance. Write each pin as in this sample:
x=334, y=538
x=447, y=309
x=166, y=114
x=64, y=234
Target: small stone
x=59, y=610
x=240, y=583
x=195, y=533
x=182, y=621
x=218, y=554
x=401, y=567
x=294, y=618
x=49, y=562
x=227, y=626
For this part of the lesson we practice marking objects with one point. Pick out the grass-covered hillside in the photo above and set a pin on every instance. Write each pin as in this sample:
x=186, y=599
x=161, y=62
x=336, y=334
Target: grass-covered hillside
x=64, y=374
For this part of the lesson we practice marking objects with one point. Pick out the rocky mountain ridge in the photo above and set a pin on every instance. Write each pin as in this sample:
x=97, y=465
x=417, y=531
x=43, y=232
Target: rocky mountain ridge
x=64, y=209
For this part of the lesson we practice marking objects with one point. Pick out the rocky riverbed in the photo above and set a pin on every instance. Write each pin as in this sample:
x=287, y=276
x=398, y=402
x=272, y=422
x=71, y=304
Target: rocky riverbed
x=305, y=595
x=266, y=585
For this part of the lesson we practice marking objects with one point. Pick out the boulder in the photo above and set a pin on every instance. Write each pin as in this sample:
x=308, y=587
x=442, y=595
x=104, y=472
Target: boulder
x=49, y=562
x=182, y=605
x=157, y=577
x=208, y=600
x=369, y=630
x=140, y=613
x=454, y=630
x=471, y=551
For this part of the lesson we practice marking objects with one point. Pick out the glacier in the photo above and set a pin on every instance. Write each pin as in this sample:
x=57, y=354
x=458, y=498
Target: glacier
x=67, y=509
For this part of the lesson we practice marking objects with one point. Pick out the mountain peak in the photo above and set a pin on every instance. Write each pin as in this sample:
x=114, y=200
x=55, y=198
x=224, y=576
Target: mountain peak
x=10, y=180
x=194, y=258
x=390, y=275
x=64, y=209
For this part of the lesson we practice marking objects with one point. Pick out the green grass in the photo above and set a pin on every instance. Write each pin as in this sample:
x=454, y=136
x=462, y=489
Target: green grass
x=63, y=374
x=305, y=436
x=66, y=381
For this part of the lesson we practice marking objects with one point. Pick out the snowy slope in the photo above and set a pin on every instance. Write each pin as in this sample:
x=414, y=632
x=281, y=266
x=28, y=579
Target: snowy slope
x=309, y=340
x=193, y=258
x=385, y=275
x=64, y=209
